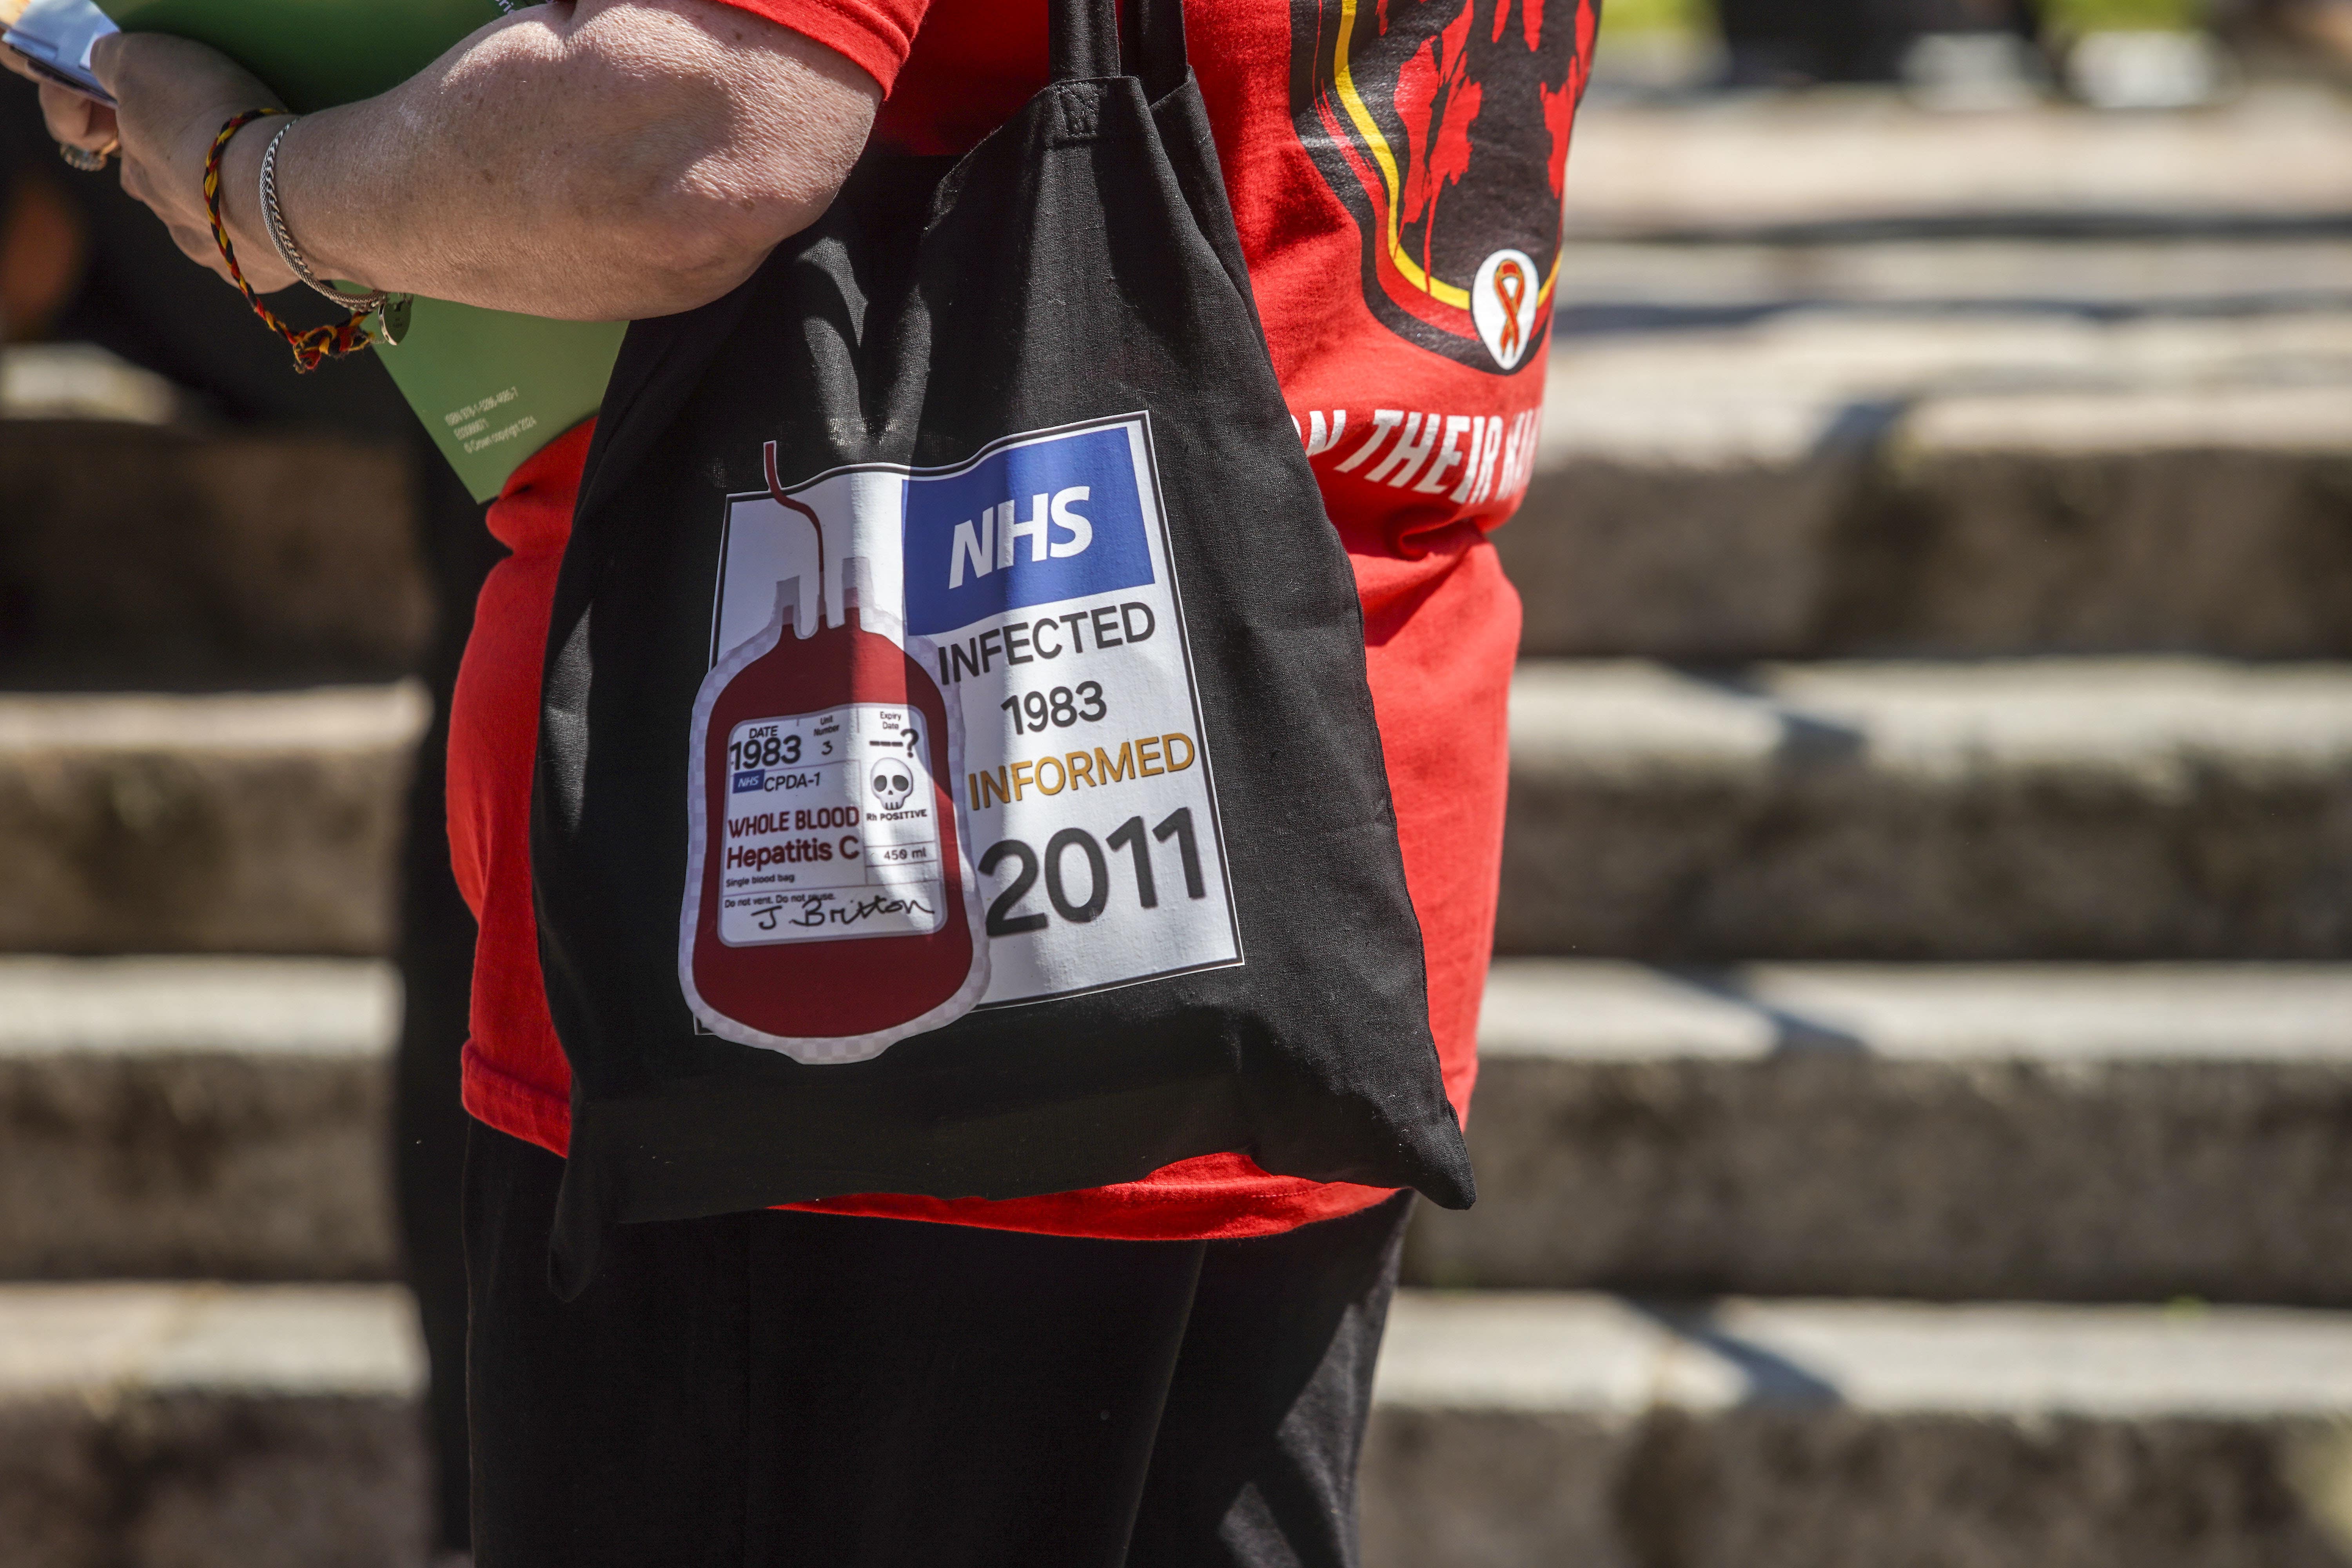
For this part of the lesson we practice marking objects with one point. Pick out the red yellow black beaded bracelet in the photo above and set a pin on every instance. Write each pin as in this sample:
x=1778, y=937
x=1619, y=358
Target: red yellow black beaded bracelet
x=311, y=348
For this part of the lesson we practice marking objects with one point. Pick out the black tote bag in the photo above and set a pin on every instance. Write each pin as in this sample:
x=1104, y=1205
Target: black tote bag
x=956, y=770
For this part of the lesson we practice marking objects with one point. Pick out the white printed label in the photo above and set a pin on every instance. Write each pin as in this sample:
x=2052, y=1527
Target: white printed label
x=831, y=831
x=1035, y=582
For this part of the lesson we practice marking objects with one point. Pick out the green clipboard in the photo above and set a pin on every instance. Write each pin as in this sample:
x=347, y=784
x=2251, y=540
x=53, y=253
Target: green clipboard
x=491, y=386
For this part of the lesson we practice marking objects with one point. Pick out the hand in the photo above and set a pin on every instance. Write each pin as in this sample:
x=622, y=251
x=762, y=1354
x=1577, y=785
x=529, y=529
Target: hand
x=73, y=119
x=173, y=97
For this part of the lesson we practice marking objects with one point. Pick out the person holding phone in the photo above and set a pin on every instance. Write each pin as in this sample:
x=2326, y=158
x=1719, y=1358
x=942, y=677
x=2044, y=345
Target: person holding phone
x=1176, y=1370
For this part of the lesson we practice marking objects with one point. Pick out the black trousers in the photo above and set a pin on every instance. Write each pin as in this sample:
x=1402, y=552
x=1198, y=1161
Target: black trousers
x=765, y=1390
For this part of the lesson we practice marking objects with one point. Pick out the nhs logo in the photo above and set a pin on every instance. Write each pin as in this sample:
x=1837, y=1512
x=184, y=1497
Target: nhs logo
x=1047, y=520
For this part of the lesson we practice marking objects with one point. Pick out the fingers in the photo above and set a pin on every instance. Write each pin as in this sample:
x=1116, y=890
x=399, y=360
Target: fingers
x=106, y=61
x=191, y=232
x=197, y=245
x=138, y=186
x=175, y=96
x=193, y=239
x=84, y=123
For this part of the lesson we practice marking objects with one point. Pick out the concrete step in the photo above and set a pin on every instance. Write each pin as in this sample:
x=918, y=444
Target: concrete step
x=256, y=822
x=170, y=555
x=2029, y=810
x=197, y=1427
x=1927, y=340
x=1868, y=164
x=1822, y=483
x=185, y=1118
x=1526, y=1431
x=84, y=382
x=204, y=1426
x=1800, y=483
x=2161, y=808
x=1607, y=286
x=2031, y=1132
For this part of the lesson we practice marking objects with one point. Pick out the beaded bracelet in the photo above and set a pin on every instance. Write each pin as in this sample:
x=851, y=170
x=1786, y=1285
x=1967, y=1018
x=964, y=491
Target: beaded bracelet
x=311, y=348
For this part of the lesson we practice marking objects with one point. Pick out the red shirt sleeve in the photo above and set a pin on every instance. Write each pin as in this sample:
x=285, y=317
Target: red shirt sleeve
x=875, y=34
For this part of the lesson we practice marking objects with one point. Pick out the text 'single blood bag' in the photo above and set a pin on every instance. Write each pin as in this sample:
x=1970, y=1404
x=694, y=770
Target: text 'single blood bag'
x=830, y=908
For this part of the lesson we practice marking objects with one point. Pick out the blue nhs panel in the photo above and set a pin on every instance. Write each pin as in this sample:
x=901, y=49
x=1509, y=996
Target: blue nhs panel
x=1036, y=523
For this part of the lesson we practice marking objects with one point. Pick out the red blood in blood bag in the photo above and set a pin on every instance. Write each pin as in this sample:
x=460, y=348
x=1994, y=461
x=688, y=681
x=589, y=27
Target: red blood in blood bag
x=832, y=902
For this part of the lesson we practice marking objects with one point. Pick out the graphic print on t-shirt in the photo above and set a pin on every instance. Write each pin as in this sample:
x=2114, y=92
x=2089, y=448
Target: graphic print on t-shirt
x=1442, y=127
x=1035, y=580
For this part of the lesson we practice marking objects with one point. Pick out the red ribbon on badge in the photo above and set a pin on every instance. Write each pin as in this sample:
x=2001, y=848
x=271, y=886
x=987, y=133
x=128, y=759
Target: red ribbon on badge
x=1511, y=288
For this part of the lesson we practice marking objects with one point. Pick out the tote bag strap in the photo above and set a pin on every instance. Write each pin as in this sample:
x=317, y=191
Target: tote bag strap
x=1084, y=42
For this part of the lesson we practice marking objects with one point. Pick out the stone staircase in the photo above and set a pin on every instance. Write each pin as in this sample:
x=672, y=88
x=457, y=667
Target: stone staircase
x=205, y=739
x=1918, y=1093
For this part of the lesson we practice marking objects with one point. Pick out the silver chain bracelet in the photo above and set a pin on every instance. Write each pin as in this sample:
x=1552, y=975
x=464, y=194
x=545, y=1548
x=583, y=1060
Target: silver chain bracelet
x=290, y=252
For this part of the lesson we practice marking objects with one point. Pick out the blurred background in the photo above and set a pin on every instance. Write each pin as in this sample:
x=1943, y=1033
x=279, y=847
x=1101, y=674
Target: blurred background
x=1917, y=1117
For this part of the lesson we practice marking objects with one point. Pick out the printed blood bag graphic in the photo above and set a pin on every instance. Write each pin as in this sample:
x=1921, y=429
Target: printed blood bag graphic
x=830, y=908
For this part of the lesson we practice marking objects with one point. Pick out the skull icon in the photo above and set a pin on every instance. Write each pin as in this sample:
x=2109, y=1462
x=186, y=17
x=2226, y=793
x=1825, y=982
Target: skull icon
x=892, y=782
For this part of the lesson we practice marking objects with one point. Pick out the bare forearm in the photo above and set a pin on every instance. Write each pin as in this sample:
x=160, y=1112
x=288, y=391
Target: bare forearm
x=613, y=159
x=595, y=161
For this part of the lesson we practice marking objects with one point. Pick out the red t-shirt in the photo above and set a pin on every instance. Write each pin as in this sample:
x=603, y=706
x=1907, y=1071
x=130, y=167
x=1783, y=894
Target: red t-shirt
x=1394, y=169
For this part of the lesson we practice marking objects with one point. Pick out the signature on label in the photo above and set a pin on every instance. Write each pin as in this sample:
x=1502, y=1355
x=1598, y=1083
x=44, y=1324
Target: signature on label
x=813, y=915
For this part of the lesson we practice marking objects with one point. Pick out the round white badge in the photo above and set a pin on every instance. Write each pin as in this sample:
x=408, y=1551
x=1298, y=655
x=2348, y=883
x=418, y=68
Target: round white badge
x=1503, y=303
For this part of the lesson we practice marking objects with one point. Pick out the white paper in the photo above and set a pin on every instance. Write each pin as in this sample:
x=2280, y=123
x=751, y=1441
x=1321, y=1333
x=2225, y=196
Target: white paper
x=59, y=33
